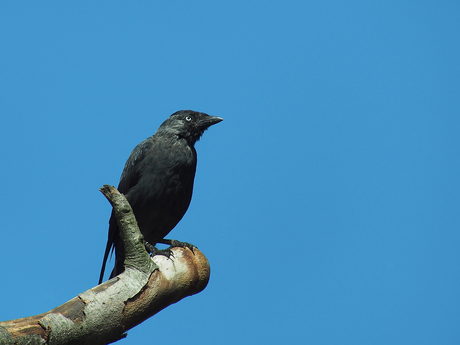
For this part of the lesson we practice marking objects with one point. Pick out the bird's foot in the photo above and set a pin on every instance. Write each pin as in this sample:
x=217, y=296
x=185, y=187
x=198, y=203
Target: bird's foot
x=175, y=243
x=155, y=251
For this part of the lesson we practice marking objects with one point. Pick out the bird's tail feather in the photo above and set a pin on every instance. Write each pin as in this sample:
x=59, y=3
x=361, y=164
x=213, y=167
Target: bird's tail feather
x=104, y=261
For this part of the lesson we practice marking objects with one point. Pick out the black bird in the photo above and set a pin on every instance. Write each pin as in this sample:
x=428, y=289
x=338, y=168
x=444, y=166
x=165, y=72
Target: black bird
x=157, y=180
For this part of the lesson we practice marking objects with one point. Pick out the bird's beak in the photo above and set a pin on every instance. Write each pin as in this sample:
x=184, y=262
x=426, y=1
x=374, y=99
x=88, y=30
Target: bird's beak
x=209, y=121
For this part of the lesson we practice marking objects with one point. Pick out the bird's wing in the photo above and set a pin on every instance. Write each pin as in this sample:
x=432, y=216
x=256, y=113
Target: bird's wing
x=129, y=178
x=130, y=175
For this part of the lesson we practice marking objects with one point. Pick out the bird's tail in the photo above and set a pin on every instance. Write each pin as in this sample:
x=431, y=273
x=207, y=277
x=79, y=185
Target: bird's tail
x=111, y=243
x=104, y=261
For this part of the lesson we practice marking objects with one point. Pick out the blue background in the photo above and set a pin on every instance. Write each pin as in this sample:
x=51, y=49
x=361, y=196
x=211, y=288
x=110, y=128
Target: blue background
x=327, y=201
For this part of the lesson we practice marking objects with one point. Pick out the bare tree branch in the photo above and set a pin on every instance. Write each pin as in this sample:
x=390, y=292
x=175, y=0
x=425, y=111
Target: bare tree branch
x=103, y=314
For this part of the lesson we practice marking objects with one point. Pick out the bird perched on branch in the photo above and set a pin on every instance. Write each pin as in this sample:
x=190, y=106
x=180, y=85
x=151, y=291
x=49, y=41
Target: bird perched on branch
x=157, y=180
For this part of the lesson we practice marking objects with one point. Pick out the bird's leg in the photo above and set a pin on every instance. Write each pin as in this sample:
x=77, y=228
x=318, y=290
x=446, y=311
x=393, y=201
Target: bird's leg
x=155, y=251
x=175, y=243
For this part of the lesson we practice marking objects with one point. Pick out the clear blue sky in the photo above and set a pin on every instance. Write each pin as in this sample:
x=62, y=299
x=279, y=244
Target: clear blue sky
x=327, y=202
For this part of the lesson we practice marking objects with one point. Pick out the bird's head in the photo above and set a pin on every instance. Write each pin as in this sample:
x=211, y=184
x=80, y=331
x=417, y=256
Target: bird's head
x=188, y=124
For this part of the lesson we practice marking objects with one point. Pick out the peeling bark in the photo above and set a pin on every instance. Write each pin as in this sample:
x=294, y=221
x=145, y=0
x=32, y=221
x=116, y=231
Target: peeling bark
x=103, y=314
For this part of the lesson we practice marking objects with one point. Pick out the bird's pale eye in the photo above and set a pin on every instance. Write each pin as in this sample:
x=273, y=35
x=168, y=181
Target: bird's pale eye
x=188, y=118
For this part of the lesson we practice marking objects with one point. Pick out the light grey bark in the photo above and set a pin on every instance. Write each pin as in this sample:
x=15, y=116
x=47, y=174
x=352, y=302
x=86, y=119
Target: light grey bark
x=103, y=314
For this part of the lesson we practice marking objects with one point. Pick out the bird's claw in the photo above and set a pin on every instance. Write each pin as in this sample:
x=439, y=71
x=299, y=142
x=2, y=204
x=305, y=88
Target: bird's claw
x=168, y=251
x=155, y=251
x=176, y=243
